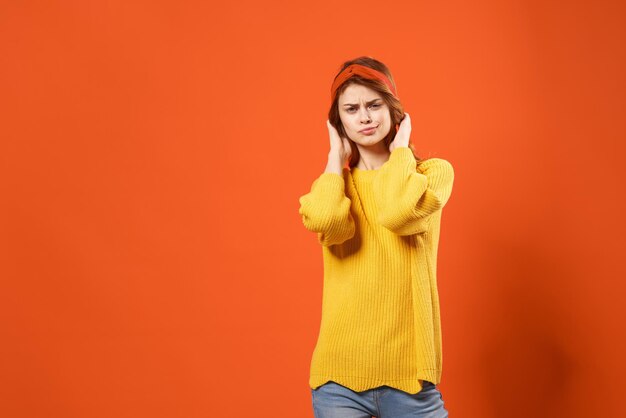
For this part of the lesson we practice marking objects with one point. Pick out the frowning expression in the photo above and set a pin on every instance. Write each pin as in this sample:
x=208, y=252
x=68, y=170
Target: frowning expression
x=364, y=114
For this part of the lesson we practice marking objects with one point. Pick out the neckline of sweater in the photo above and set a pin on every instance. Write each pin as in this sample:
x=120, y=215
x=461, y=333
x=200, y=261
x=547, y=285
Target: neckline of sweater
x=358, y=173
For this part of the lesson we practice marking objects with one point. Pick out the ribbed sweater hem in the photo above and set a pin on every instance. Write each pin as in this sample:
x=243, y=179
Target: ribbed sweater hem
x=359, y=384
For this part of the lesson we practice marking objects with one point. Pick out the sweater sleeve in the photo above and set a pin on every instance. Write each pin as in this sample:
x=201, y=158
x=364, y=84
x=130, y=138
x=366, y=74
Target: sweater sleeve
x=326, y=210
x=406, y=196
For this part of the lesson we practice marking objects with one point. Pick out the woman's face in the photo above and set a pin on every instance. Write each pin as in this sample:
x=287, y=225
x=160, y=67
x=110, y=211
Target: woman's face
x=361, y=107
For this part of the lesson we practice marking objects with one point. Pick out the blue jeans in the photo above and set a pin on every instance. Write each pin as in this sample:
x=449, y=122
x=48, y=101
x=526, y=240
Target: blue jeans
x=332, y=400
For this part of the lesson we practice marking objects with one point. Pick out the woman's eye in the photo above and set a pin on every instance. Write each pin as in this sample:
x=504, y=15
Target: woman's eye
x=374, y=105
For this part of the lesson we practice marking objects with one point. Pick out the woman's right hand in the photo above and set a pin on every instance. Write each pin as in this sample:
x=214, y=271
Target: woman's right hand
x=339, y=147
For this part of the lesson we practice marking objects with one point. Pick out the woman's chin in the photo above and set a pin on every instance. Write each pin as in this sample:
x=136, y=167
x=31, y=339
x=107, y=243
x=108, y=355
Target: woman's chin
x=369, y=142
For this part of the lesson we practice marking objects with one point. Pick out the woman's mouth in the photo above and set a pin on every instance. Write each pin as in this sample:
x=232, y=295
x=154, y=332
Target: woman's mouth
x=368, y=131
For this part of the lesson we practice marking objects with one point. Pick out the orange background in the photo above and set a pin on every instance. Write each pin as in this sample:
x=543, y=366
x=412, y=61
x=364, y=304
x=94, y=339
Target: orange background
x=153, y=261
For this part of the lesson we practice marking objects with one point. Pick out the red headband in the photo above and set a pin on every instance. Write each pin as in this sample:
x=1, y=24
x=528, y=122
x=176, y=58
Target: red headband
x=363, y=71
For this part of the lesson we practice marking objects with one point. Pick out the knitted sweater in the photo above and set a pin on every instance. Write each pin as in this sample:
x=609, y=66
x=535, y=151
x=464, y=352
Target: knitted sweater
x=379, y=234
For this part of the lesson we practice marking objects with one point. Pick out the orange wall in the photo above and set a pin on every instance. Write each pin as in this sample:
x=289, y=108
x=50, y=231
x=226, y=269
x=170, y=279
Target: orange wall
x=153, y=262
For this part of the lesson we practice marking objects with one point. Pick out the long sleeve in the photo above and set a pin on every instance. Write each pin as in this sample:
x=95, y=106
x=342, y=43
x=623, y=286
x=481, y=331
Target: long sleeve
x=326, y=210
x=406, y=196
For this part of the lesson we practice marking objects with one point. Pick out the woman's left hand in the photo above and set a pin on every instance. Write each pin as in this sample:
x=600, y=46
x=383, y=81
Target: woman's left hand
x=403, y=135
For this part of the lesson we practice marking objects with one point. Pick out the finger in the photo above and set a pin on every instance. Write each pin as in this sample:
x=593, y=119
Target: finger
x=331, y=128
x=406, y=121
x=335, y=140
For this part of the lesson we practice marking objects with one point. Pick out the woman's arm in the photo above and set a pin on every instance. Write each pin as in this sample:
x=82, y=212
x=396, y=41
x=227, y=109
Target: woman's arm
x=326, y=210
x=407, y=197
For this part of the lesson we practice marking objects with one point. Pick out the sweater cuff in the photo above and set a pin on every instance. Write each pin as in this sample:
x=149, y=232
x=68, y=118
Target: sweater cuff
x=402, y=154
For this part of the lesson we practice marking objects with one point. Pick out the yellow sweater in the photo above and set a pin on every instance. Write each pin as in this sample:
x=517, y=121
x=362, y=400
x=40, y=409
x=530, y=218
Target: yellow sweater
x=379, y=234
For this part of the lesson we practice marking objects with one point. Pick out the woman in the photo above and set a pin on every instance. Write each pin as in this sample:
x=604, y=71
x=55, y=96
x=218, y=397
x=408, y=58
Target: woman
x=379, y=346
